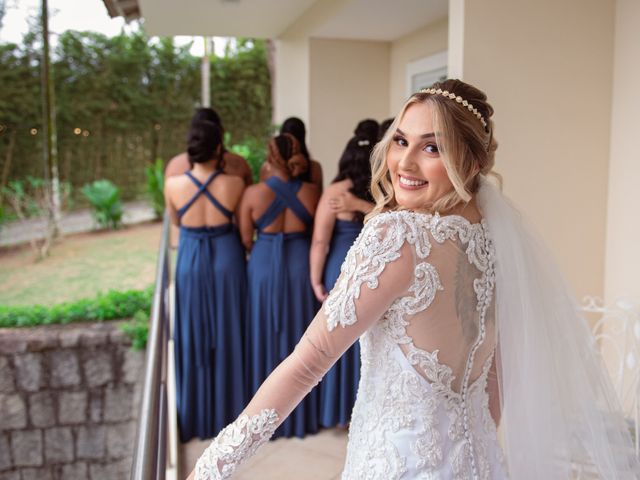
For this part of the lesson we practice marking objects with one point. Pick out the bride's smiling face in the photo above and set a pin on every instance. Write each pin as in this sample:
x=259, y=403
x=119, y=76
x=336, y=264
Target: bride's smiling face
x=418, y=175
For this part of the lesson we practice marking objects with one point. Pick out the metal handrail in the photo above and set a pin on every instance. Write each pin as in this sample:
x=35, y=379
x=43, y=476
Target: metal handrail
x=149, y=458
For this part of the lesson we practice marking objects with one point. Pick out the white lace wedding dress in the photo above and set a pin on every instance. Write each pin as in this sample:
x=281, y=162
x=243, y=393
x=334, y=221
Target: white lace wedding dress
x=417, y=290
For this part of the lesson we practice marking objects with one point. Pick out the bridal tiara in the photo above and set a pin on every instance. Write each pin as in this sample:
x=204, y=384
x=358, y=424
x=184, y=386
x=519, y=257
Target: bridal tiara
x=458, y=99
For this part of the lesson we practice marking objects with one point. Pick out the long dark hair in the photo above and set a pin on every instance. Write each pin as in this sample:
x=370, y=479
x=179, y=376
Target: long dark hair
x=203, y=140
x=294, y=126
x=208, y=114
x=369, y=129
x=355, y=165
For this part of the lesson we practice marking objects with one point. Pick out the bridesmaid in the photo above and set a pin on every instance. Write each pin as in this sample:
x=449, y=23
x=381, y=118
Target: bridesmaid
x=295, y=127
x=210, y=288
x=333, y=235
x=281, y=303
x=233, y=164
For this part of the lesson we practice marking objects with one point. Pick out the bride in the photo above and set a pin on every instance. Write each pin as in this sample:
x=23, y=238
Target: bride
x=464, y=324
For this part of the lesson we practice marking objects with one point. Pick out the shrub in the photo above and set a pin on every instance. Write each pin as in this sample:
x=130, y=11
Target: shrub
x=137, y=329
x=22, y=202
x=104, y=198
x=254, y=151
x=155, y=186
x=31, y=197
x=110, y=306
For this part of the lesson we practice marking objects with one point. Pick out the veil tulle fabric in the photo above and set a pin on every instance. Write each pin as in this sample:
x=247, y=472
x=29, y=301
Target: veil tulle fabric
x=558, y=405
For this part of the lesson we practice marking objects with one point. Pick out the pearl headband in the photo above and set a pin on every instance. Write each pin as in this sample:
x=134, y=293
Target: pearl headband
x=458, y=99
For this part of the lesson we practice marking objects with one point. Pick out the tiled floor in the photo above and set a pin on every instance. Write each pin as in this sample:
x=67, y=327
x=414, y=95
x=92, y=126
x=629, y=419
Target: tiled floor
x=316, y=457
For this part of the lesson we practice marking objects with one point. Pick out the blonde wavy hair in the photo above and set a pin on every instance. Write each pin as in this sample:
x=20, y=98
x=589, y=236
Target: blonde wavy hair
x=466, y=147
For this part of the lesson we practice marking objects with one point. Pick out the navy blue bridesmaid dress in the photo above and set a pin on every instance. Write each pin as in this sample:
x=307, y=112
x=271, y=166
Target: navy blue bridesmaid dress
x=281, y=301
x=339, y=387
x=210, y=301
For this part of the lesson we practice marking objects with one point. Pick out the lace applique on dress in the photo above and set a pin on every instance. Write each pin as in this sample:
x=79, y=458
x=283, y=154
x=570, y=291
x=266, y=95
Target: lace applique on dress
x=367, y=258
x=235, y=443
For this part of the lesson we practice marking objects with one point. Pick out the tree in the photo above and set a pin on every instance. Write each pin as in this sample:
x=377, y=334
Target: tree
x=50, y=150
x=121, y=103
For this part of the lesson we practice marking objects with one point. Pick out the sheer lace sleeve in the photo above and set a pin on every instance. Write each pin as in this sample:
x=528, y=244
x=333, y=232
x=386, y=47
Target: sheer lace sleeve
x=378, y=270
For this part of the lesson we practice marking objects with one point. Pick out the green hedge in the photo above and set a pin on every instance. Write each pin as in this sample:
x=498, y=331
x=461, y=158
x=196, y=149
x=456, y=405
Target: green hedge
x=110, y=306
x=137, y=329
x=122, y=102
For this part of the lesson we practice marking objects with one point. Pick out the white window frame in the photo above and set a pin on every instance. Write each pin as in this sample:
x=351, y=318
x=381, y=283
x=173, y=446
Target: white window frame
x=427, y=64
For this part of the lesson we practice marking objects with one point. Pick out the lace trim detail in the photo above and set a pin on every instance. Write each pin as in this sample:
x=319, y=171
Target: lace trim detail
x=374, y=248
x=235, y=443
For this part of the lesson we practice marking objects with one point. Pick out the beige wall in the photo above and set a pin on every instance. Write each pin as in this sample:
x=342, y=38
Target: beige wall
x=429, y=40
x=292, y=83
x=349, y=81
x=623, y=226
x=547, y=69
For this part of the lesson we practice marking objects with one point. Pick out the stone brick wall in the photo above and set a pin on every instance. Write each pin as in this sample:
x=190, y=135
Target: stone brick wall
x=69, y=400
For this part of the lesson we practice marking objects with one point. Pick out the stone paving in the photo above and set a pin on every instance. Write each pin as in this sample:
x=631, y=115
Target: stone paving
x=315, y=457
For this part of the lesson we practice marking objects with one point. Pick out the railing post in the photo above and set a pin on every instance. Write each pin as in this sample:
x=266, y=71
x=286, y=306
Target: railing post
x=149, y=457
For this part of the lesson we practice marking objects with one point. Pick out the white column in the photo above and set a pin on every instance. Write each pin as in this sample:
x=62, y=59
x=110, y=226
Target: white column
x=623, y=224
x=206, y=72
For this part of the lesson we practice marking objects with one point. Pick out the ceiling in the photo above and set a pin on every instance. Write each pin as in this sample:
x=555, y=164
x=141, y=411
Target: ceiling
x=221, y=18
x=127, y=9
x=383, y=20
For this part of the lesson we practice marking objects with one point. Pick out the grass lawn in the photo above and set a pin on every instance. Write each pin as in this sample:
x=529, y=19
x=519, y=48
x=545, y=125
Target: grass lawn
x=80, y=266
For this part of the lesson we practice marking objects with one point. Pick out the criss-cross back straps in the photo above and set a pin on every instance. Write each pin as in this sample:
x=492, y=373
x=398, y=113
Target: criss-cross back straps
x=202, y=189
x=285, y=198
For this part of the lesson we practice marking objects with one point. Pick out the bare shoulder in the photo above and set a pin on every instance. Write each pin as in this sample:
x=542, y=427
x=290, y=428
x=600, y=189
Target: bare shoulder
x=233, y=181
x=228, y=182
x=256, y=191
x=234, y=160
x=173, y=182
x=231, y=156
x=177, y=165
x=238, y=166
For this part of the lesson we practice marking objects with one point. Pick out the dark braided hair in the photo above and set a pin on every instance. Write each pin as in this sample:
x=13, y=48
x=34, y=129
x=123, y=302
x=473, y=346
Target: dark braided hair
x=294, y=126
